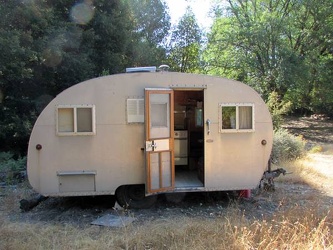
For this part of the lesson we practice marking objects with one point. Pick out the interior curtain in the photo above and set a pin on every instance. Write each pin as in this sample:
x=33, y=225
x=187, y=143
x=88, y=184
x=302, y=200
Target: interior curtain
x=245, y=117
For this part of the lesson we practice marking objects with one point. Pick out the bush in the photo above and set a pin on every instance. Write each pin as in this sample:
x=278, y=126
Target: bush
x=277, y=108
x=10, y=168
x=286, y=146
x=8, y=163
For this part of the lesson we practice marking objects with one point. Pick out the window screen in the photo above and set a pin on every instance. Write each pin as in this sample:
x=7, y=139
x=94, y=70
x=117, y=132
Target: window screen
x=65, y=120
x=84, y=120
x=159, y=115
x=75, y=120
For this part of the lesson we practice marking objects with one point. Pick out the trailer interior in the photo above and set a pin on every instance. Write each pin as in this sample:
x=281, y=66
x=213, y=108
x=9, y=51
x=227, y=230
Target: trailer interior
x=189, y=138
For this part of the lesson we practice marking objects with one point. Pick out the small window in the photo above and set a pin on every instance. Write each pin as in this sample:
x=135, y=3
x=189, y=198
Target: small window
x=76, y=120
x=236, y=117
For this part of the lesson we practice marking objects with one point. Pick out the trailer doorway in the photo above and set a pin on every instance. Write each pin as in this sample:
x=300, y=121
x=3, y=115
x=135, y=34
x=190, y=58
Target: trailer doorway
x=189, y=138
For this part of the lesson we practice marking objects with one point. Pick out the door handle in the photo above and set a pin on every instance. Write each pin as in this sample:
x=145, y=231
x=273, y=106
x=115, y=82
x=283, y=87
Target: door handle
x=208, y=126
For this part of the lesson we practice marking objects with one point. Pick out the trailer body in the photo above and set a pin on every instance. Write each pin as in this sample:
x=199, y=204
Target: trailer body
x=161, y=131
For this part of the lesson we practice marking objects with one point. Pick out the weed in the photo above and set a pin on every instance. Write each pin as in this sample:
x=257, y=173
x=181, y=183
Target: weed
x=287, y=146
x=316, y=149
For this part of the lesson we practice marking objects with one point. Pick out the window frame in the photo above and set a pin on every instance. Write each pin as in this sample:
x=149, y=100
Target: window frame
x=237, y=129
x=75, y=131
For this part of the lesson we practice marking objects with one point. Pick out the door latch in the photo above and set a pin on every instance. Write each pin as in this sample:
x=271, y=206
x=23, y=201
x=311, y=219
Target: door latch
x=151, y=145
x=208, y=126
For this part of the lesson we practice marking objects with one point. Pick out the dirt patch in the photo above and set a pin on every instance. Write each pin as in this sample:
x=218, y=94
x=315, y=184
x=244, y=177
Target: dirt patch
x=80, y=212
x=313, y=130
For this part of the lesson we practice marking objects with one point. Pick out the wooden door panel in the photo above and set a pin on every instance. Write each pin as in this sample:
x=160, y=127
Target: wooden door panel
x=159, y=140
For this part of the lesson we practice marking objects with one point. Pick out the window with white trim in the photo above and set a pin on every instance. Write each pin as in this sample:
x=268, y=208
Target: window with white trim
x=236, y=117
x=75, y=120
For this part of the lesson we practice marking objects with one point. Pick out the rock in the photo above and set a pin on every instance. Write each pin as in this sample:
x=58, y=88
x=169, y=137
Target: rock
x=27, y=205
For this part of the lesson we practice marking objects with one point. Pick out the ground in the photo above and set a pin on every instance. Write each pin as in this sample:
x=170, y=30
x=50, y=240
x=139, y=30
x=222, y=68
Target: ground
x=314, y=130
x=311, y=187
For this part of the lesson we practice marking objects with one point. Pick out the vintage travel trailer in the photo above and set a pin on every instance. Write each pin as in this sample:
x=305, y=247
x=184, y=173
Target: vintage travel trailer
x=142, y=133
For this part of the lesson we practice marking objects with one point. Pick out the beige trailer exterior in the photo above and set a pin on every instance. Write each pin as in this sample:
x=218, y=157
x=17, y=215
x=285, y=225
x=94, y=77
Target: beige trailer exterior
x=118, y=135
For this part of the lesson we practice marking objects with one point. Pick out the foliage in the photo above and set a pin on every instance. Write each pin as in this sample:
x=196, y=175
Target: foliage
x=184, y=47
x=151, y=23
x=47, y=46
x=11, y=167
x=286, y=146
x=277, y=109
x=8, y=163
x=276, y=46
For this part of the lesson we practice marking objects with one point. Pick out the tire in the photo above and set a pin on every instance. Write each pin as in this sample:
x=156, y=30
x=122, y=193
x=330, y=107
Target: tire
x=133, y=196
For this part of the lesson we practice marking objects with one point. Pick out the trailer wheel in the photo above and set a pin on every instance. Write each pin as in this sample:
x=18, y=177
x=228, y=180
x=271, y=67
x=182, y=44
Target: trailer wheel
x=133, y=196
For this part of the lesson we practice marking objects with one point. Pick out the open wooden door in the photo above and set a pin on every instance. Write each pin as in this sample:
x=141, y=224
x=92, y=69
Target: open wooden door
x=159, y=140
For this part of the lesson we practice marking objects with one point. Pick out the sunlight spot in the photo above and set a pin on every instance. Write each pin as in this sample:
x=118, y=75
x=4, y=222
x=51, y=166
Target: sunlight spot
x=82, y=13
x=322, y=164
x=62, y=41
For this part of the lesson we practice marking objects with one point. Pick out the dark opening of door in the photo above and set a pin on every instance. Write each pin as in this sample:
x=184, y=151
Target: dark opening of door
x=189, y=138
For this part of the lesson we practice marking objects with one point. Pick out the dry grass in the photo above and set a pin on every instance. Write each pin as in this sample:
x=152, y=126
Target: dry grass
x=315, y=169
x=297, y=227
x=294, y=229
x=233, y=232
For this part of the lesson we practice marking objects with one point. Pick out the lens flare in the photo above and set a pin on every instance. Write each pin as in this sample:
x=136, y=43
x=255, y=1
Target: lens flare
x=82, y=13
x=52, y=57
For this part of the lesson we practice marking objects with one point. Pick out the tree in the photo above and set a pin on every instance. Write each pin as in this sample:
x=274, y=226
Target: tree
x=19, y=57
x=111, y=34
x=275, y=46
x=312, y=38
x=185, y=44
x=151, y=24
x=47, y=46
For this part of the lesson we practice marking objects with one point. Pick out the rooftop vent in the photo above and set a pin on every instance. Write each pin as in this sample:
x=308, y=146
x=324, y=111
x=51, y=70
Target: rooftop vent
x=164, y=67
x=141, y=69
